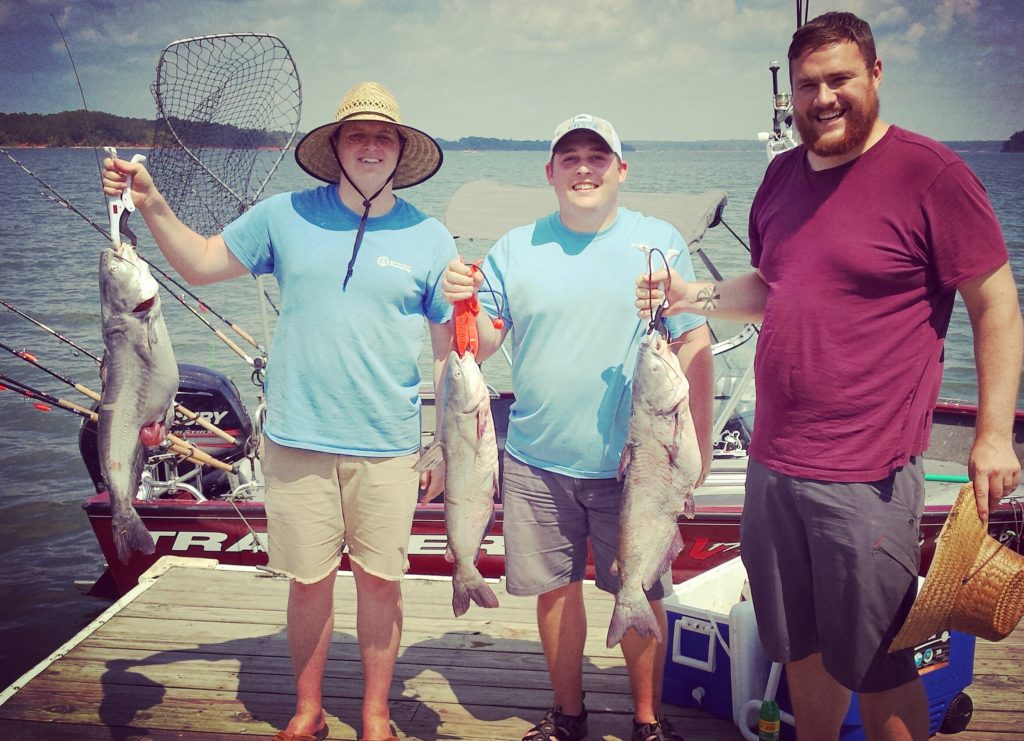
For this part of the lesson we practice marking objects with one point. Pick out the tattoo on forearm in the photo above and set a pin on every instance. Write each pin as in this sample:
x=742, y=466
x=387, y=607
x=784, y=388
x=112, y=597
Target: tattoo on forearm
x=707, y=297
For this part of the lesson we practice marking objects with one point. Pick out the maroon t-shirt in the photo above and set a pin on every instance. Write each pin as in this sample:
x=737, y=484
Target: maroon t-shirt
x=862, y=263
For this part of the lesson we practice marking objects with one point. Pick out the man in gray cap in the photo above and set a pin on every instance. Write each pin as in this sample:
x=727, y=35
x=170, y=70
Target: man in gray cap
x=568, y=424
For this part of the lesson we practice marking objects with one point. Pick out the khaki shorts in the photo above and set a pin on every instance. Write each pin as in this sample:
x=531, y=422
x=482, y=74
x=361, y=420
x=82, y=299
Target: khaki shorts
x=317, y=503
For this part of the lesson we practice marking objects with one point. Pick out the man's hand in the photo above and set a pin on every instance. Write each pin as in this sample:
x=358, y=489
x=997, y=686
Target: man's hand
x=115, y=177
x=995, y=471
x=651, y=292
x=432, y=483
x=460, y=281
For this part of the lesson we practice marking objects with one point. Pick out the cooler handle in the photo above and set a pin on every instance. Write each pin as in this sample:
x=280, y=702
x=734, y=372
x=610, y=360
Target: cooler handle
x=700, y=627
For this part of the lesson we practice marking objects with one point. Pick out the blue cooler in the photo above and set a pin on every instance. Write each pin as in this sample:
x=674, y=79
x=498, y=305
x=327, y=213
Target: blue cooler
x=946, y=665
x=698, y=664
x=715, y=661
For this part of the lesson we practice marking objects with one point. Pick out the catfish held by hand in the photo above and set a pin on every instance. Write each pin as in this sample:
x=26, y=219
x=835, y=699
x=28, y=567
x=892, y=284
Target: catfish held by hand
x=140, y=379
x=661, y=462
x=467, y=443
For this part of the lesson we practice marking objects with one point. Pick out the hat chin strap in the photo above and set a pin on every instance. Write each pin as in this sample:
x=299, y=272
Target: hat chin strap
x=367, y=203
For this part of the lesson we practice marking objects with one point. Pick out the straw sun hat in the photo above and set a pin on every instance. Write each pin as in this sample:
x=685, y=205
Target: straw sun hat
x=370, y=101
x=975, y=584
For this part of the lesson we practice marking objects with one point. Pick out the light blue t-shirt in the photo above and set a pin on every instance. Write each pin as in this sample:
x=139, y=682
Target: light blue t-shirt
x=567, y=299
x=342, y=376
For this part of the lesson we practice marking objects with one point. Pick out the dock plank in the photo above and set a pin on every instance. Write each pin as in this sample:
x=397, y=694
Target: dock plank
x=202, y=654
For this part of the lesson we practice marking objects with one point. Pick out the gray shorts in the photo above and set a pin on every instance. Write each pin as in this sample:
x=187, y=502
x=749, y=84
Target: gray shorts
x=547, y=521
x=833, y=569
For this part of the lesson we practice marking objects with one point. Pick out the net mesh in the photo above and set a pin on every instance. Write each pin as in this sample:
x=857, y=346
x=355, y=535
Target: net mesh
x=227, y=111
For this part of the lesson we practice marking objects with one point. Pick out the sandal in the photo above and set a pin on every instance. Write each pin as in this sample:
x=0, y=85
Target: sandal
x=557, y=726
x=659, y=730
x=320, y=735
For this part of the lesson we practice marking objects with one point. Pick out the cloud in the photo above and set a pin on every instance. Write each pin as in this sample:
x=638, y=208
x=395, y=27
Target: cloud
x=690, y=69
x=946, y=12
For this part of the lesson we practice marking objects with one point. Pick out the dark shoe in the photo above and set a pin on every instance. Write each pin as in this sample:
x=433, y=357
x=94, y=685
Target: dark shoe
x=557, y=726
x=659, y=730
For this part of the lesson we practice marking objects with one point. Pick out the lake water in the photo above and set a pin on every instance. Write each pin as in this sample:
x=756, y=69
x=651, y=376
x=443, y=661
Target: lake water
x=48, y=261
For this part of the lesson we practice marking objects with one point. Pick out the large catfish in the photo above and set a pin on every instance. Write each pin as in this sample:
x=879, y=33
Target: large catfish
x=661, y=463
x=140, y=379
x=467, y=444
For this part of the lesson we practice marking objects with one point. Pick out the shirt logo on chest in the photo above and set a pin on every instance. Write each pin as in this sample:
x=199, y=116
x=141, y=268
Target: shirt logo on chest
x=387, y=262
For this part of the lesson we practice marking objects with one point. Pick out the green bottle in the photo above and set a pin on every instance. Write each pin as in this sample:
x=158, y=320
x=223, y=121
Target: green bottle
x=768, y=723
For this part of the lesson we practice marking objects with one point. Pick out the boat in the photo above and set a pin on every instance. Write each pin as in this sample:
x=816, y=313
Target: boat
x=201, y=511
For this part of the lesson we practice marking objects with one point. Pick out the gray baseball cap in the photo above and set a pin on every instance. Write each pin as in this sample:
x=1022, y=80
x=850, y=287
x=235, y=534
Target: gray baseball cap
x=586, y=122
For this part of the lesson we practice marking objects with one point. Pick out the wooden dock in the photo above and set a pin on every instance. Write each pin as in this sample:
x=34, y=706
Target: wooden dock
x=198, y=652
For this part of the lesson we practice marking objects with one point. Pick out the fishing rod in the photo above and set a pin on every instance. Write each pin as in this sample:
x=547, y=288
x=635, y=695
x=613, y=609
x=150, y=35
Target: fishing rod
x=61, y=200
x=53, y=332
x=780, y=138
x=801, y=18
x=86, y=391
x=25, y=355
x=81, y=89
x=255, y=363
x=258, y=364
x=33, y=360
x=175, y=444
x=47, y=402
x=54, y=195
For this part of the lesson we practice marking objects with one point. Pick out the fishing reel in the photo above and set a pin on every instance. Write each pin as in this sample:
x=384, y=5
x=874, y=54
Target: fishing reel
x=780, y=139
x=212, y=396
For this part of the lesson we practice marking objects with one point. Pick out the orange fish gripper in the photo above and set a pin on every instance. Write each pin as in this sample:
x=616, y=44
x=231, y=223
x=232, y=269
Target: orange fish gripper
x=466, y=311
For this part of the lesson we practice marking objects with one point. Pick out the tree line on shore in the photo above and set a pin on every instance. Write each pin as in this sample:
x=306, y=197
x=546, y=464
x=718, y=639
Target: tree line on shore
x=94, y=129
x=1015, y=143
x=83, y=128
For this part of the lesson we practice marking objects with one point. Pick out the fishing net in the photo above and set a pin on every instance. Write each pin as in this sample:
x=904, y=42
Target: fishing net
x=228, y=110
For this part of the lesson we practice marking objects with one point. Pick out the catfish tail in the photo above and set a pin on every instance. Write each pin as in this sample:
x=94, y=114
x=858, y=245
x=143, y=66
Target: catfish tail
x=632, y=613
x=129, y=532
x=467, y=587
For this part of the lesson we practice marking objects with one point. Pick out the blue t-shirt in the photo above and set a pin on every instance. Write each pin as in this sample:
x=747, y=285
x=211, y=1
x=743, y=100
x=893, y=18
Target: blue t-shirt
x=567, y=299
x=342, y=376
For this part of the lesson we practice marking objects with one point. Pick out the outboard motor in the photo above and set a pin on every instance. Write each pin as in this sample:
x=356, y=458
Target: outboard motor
x=211, y=395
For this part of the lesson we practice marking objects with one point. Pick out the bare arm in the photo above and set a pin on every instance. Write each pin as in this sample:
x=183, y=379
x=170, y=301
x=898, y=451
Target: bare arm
x=199, y=260
x=490, y=337
x=994, y=311
x=432, y=480
x=742, y=298
x=693, y=349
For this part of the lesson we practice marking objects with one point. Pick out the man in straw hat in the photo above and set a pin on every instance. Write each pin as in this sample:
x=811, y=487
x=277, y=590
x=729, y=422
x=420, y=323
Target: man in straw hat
x=569, y=422
x=860, y=239
x=358, y=270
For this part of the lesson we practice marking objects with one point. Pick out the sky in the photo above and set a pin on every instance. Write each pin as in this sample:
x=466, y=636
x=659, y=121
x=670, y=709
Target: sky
x=681, y=70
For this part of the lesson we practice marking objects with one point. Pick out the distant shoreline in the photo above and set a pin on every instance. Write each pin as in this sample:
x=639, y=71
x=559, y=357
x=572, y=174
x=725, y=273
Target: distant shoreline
x=723, y=145
x=83, y=129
